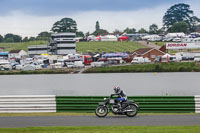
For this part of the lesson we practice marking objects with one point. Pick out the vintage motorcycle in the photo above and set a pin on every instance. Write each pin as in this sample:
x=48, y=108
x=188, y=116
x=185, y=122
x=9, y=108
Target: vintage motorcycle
x=129, y=108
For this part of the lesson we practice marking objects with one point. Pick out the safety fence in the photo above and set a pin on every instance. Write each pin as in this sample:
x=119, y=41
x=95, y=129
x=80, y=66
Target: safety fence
x=27, y=103
x=147, y=104
x=52, y=103
x=197, y=104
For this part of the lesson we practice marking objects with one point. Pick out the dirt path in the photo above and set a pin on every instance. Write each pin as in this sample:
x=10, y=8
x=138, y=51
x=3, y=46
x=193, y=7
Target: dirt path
x=150, y=44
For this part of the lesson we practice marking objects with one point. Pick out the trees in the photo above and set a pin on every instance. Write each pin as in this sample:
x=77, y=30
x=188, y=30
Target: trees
x=99, y=31
x=117, y=32
x=1, y=38
x=87, y=34
x=32, y=39
x=180, y=13
x=130, y=31
x=25, y=39
x=65, y=25
x=43, y=36
x=12, y=38
x=80, y=34
x=179, y=27
x=142, y=30
x=153, y=29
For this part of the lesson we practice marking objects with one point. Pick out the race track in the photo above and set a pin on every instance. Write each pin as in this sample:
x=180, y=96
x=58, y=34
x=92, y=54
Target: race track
x=140, y=120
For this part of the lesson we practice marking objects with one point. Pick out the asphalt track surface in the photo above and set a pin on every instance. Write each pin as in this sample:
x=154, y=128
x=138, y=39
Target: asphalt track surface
x=140, y=120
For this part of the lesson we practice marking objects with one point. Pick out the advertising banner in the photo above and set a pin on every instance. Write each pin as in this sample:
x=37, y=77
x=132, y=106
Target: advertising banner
x=174, y=45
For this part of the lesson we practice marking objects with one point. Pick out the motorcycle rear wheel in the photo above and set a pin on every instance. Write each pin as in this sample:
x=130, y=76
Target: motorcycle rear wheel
x=134, y=111
x=101, y=111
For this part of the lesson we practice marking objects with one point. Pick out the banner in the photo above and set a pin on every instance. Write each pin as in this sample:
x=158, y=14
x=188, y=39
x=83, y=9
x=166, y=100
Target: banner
x=174, y=45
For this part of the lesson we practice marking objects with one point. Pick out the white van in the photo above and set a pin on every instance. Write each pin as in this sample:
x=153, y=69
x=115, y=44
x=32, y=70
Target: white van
x=140, y=60
x=79, y=64
x=197, y=58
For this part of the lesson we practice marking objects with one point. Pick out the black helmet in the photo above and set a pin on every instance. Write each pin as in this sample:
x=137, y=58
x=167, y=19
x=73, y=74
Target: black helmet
x=117, y=89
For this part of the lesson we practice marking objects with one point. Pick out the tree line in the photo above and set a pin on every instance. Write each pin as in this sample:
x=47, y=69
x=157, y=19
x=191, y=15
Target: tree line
x=178, y=18
x=9, y=38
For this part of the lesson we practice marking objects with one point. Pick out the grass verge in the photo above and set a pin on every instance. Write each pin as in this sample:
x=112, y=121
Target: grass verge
x=105, y=129
x=21, y=45
x=159, y=67
x=44, y=71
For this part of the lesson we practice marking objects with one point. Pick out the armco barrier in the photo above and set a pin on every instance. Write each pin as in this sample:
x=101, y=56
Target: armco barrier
x=159, y=104
x=197, y=104
x=27, y=103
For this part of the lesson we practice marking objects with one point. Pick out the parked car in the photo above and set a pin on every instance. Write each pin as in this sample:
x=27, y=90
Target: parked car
x=78, y=64
x=19, y=67
x=197, y=58
x=98, y=64
x=70, y=64
x=140, y=60
x=176, y=39
x=157, y=59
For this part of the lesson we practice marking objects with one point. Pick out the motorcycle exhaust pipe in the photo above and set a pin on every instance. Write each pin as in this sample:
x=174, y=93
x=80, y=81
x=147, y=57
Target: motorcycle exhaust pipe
x=127, y=110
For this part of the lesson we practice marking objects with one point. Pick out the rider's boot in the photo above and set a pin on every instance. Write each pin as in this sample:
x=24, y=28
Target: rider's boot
x=119, y=106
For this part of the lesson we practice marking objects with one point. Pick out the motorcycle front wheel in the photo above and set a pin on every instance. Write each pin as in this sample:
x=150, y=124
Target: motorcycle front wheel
x=101, y=111
x=132, y=110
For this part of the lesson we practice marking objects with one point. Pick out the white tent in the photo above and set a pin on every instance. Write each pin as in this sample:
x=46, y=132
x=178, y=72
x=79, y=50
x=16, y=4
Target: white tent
x=108, y=38
x=173, y=35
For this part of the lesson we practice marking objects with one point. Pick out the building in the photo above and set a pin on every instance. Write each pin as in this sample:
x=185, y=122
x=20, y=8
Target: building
x=3, y=55
x=18, y=54
x=150, y=53
x=37, y=50
x=62, y=44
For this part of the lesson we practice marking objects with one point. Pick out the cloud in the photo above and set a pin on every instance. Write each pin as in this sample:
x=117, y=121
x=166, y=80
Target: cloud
x=59, y=7
x=26, y=24
x=30, y=25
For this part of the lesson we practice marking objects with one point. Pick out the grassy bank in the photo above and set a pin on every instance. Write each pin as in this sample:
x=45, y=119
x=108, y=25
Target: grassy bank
x=81, y=47
x=105, y=129
x=44, y=71
x=160, y=67
x=84, y=47
x=20, y=45
x=159, y=43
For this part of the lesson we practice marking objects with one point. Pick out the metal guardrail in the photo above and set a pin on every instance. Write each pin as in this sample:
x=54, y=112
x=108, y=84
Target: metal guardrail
x=197, y=104
x=148, y=104
x=27, y=103
x=51, y=103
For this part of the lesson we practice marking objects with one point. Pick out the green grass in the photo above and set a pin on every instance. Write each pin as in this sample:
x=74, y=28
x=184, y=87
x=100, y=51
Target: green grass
x=158, y=67
x=105, y=129
x=81, y=47
x=84, y=47
x=159, y=43
x=21, y=45
x=81, y=114
x=43, y=71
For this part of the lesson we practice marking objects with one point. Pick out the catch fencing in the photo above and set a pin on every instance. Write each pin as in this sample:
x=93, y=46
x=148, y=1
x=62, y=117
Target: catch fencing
x=197, y=104
x=27, y=103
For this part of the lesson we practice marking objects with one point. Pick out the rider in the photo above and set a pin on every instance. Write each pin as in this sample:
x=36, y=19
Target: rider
x=121, y=95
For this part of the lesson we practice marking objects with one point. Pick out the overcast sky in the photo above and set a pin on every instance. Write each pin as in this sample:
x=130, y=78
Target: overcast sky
x=30, y=17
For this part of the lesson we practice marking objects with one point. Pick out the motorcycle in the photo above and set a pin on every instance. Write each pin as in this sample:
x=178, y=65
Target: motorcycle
x=128, y=108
